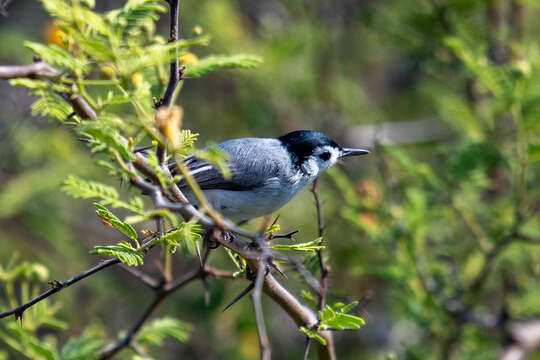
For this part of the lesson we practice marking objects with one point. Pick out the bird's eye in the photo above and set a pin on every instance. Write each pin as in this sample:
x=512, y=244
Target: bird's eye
x=325, y=155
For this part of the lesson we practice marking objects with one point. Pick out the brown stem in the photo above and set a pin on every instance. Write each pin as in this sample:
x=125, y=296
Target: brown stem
x=174, y=75
x=37, y=69
x=264, y=343
x=324, y=269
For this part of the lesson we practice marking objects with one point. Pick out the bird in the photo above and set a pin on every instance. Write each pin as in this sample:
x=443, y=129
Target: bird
x=265, y=173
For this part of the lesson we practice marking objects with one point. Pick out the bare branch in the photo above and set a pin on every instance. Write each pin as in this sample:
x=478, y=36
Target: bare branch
x=37, y=69
x=264, y=343
x=142, y=277
x=174, y=75
x=323, y=283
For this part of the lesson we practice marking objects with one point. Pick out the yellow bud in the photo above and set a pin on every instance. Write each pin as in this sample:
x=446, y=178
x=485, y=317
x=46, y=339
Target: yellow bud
x=188, y=58
x=197, y=30
x=169, y=121
x=108, y=70
x=137, y=79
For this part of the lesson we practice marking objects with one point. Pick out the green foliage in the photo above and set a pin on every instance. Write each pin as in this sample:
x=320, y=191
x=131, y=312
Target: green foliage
x=109, y=219
x=51, y=105
x=157, y=330
x=56, y=56
x=82, y=189
x=334, y=318
x=213, y=156
x=216, y=62
x=39, y=85
x=187, y=233
x=123, y=251
x=309, y=246
x=85, y=346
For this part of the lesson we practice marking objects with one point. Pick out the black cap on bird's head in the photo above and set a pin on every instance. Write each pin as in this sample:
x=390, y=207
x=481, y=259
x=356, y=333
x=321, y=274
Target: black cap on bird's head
x=301, y=144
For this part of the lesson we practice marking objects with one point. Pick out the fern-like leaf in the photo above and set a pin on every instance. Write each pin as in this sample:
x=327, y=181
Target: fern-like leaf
x=216, y=62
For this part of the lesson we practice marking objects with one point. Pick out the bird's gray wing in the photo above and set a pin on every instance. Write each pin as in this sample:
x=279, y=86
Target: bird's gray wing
x=249, y=165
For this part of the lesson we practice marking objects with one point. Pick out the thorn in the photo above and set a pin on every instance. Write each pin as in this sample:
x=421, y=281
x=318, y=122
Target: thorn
x=142, y=148
x=275, y=220
x=206, y=289
x=55, y=284
x=70, y=116
x=19, y=316
x=286, y=236
x=181, y=72
x=275, y=267
x=198, y=248
x=241, y=295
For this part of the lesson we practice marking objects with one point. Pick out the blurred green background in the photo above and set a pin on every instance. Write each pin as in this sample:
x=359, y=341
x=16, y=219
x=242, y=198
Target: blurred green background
x=436, y=233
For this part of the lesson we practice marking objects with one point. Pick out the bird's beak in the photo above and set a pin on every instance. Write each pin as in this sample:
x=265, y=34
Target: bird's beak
x=352, y=152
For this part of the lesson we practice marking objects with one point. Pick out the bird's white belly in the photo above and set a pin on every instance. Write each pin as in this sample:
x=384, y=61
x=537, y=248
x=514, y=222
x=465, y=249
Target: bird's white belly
x=245, y=205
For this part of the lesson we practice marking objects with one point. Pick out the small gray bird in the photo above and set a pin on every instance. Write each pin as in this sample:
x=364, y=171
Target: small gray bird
x=265, y=172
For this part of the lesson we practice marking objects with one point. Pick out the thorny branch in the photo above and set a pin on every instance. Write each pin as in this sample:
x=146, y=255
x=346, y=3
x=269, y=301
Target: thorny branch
x=57, y=286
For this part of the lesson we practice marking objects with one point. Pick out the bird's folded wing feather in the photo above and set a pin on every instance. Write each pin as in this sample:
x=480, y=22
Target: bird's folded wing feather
x=249, y=168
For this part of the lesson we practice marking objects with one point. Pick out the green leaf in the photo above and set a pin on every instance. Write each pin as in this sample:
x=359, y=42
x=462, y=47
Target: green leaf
x=313, y=335
x=153, y=162
x=111, y=220
x=52, y=105
x=413, y=167
x=76, y=15
x=217, y=158
x=216, y=62
x=106, y=136
x=303, y=247
x=336, y=318
x=83, y=347
x=129, y=61
x=123, y=251
x=136, y=15
x=82, y=189
x=56, y=56
x=154, y=332
x=272, y=229
x=186, y=233
x=39, y=85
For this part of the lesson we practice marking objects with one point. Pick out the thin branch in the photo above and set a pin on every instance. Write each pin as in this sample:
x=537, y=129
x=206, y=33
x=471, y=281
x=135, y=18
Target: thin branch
x=160, y=295
x=324, y=269
x=306, y=348
x=142, y=277
x=174, y=75
x=57, y=286
x=34, y=70
x=264, y=343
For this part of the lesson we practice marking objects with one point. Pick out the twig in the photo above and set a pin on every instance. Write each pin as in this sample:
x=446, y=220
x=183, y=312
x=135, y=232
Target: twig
x=174, y=75
x=306, y=348
x=37, y=69
x=264, y=343
x=57, y=286
x=161, y=294
x=142, y=277
x=322, y=265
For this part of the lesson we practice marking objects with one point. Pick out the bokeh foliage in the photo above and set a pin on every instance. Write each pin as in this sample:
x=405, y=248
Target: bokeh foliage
x=411, y=230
